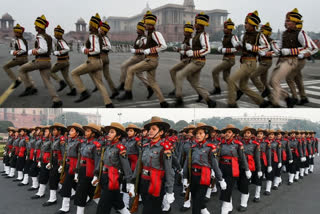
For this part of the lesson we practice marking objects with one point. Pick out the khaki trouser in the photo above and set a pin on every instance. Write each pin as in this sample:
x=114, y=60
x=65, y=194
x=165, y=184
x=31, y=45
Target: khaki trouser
x=13, y=63
x=129, y=62
x=44, y=67
x=64, y=68
x=192, y=73
x=225, y=66
x=295, y=79
x=106, y=71
x=262, y=72
x=173, y=72
x=242, y=76
x=280, y=73
x=150, y=65
x=92, y=67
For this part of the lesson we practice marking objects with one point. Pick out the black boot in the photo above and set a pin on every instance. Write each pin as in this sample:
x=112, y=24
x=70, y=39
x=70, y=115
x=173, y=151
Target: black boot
x=179, y=102
x=266, y=92
x=37, y=196
x=57, y=104
x=256, y=200
x=48, y=203
x=199, y=98
x=290, y=102
x=172, y=93
x=150, y=92
x=242, y=209
x=267, y=193
x=164, y=104
x=16, y=180
x=211, y=103
x=126, y=96
x=28, y=91
x=73, y=92
x=233, y=105
x=239, y=94
x=32, y=189
x=265, y=104
x=95, y=89
x=16, y=84
x=216, y=91
x=83, y=96
x=62, y=85
x=121, y=87
x=303, y=101
x=114, y=94
x=110, y=105
x=21, y=184
x=62, y=212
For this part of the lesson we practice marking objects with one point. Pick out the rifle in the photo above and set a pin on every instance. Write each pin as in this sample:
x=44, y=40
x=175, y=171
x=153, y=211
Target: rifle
x=186, y=197
x=97, y=192
x=135, y=203
x=63, y=174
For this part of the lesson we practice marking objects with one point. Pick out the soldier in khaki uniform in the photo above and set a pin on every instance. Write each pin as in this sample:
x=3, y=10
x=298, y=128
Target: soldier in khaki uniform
x=229, y=47
x=20, y=53
x=185, y=60
x=155, y=44
x=294, y=45
x=93, y=65
x=253, y=43
x=200, y=47
x=137, y=57
x=42, y=62
x=62, y=50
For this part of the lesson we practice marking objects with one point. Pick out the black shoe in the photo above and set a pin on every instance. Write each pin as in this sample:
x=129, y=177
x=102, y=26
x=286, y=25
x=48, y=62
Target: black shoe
x=216, y=91
x=206, y=200
x=32, y=189
x=83, y=96
x=239, y=94
x=290, y=183
x=267, y=193
x=150, y=92
x=276, y=106
x=242, y=209
x=290, y=102
x=57, y=104
x=275, y=188
x=9, y=176
x=28, y=91
x=295, y=101
x=167, y=211
x=16, y=84
x=21, y=184
x=266, y=92
x=265, y=104
x=16, y=180
x=110, y=105
x=172, y=93
x=95, y=89
x=179, y=102
x=37, y=196
x=4, y=175
x=295, y=180
x=73, y=92
x=256, y=200
x=199, y=98
x=211, y=103
x=62, y=85
x=62, y=212
x=126, y=96
x=164, y=104
x=233, y=106
x=48, y=203
x=184, y=209
x=121, y=87
x=303, y=101
x=114, y=94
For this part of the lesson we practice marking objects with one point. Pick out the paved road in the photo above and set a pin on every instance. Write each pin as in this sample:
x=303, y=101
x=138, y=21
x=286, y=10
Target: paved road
x=167, y=60
x=302, y=197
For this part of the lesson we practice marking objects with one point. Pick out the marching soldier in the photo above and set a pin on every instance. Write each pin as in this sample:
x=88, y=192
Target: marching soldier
x=253, y=44
x=200, y=47
x=20, y=53
x=114, y=165
x=229, y=46
x=137, y=57
x=106, y=47
x=306, y=152
x=93, y=65
x=294, y=45
x=303, y=158
x=7, y=151
x=296, y=151
x=42, y=62
x=88, y=160
x=62, y=53
x=155, y=44
x=21, y=152
x=315, y=149
x=68, y=167
x=184, y=59
x=231, y=159
x=13, y=154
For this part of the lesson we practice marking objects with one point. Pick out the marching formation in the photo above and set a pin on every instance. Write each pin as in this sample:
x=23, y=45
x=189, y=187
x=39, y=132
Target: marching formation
x=123, y=166
x=256, y=47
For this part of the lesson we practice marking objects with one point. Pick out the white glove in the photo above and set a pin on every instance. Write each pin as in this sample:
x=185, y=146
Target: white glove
x=248, y=47
x=26, y=157
x=82, y=49
x=313, y=155
x=181, y=172
x=48, y=166
x=30, y=52
x=4, y=153
x=189, y=53
x=212, y=173
x=11, y=155
x=133, y=51
x=290, y=161
x=248, y=174
x=39, y=164
x=259, y=174
x=60, y=169
x=130, y=189
x=76, y=177
x=183, y=46
x=269, y=169
x=146, y=51
x=95, y=181
x=185, y=183
x=175, y=49
x=220, y=49
x=279, y=165
x=301, y=56
x=170, y=197
x=11, y=52
x=303, y=159
x=56, y=53
x=223, y=184
x=285, y=51
x=310, y=156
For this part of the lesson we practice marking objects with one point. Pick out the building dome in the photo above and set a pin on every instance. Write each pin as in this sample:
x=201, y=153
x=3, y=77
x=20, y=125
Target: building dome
x=7, y=16
x=81, y=21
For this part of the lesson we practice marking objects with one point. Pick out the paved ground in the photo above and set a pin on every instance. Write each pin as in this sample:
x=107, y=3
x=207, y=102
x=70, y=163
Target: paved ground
x=167, y=60
x=302, y=197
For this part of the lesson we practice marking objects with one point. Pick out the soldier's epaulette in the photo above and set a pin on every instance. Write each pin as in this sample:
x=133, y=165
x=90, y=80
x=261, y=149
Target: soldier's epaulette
x=62, y=138
x=212, y=146
x=121, y=147
x=97, y=144
x=194, y=145
x=255, y=142
x=286, y=139
x=146, y=144
x=238, y=142
x=166, y=145
x=81, y=140
x=27, y=139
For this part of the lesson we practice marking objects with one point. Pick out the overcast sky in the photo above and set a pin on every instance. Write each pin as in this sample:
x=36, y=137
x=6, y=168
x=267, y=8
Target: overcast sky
x=139, y=115
x=66, y=12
